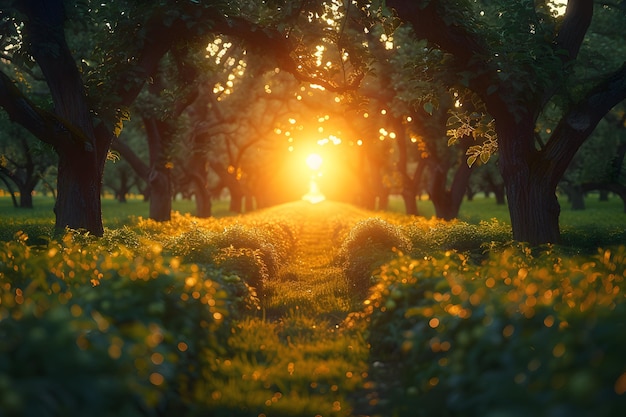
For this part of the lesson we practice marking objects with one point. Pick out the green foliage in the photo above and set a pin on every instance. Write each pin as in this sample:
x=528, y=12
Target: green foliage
x=253, y=252
x=523, y=334
x=371, y=243
x=428, y=236
x=245, y=262
x=90, y=331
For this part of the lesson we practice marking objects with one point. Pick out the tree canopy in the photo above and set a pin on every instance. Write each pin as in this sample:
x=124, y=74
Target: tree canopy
x=213, y=83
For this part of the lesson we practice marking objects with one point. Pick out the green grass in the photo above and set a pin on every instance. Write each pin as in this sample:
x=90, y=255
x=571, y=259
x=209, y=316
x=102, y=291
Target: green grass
x=599, y=213
x=40, y=219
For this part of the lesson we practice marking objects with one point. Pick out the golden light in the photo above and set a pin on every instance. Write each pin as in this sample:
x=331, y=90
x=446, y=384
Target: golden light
x=314, y=161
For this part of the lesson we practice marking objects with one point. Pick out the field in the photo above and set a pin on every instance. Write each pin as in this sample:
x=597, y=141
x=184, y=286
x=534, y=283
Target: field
x=312, y=310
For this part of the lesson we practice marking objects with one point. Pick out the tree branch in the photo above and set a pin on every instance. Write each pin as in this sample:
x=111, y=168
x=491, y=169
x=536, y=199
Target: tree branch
x=577, y=19
x=428, y=22
x=44, y=125
x=578, y=123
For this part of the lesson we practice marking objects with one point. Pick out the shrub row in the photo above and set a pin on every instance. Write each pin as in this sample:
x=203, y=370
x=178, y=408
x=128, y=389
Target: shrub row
x=524, y=334
x=87, y=330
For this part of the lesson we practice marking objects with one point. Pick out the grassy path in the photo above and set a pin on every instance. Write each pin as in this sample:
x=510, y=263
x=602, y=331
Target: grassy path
x=311, y=282
x=296, y=360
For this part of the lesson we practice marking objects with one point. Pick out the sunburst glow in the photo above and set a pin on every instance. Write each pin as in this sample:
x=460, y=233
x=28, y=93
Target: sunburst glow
x=314, y=161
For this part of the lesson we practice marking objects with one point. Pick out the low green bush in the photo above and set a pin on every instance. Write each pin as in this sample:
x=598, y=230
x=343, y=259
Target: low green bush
x=249, y=251
x=370, y=243
x=244, y=262
x=432, y=235
x=527, y=333
x=259, y=240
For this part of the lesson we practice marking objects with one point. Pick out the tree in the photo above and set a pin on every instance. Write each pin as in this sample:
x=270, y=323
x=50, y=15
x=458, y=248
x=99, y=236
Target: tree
x=599, y=166
x=130, y=39
x=23, y=163
x=518, y=62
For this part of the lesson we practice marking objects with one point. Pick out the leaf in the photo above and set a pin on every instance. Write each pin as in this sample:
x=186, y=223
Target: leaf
x=429, y=108
x=471, y=160
x=484, y=157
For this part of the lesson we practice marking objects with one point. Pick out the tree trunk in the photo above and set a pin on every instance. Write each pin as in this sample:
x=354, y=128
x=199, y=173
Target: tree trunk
x=577, y=198
x=530, y=186
x=236, y=199
x=249, y=203
x=160, y=195
x=613, y=187
x=232, y=184
x=26, y=199
x=204, y=205
x=604, y=195
x=158, y=134
x=447, y=202
x=534, y=209
x=124, y=187
x=410, y=202
x=81, y=158
x=10, y=189
x=498, y=191
x=383, y=200
x=78, y=203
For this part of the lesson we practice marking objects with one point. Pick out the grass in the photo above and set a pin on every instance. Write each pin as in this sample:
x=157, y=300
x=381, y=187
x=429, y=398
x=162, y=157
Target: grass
x=114, y=214
x=597, y=213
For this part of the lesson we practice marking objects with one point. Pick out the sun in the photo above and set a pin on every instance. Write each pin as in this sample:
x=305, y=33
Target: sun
x=314, y=161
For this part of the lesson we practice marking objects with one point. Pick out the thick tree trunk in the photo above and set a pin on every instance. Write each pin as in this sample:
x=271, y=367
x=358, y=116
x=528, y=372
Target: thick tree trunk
x=78, y=203
x=534, y=209
x=530, y=185
x=81, y=158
